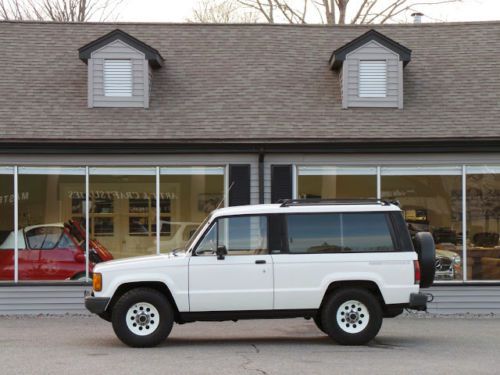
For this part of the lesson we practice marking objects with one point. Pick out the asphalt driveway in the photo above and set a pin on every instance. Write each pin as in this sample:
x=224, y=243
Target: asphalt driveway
x=87, y=345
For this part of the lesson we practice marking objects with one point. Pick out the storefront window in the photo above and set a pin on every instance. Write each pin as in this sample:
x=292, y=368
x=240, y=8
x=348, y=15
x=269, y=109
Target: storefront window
x=337, y=182
x=431, y=199
x=51, y=244
x=187, y=196
x=6, y=224
x=483, y=223
x=122, y=210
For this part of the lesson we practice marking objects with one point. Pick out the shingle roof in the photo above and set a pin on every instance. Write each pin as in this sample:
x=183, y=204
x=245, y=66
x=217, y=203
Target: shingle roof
x=249, y=83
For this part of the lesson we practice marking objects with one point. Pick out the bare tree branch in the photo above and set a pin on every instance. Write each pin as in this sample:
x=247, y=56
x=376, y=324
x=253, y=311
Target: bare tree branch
x=59, y=10
x=334, y=11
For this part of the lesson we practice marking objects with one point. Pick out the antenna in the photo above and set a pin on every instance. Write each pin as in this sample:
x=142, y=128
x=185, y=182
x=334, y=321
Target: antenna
x=223, y=197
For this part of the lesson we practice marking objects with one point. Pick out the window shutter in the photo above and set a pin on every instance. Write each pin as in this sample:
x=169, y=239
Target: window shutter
x=239, y=183
x=372, y=79
x=281, y=182
x=117, y=78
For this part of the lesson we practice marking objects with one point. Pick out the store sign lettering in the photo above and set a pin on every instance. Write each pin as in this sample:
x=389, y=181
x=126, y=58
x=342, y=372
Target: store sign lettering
x=9, y=199
x=120, y=195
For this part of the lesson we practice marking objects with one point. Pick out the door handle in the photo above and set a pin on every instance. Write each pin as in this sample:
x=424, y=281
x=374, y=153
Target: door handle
x=260, y=261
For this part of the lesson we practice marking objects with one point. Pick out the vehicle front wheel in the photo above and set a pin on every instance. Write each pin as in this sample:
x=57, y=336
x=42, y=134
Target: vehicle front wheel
x=142, y=317
x=352, y=316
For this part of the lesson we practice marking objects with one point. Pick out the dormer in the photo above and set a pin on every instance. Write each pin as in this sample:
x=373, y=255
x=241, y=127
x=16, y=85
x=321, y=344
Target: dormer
x=371, y=71
x=119, y=70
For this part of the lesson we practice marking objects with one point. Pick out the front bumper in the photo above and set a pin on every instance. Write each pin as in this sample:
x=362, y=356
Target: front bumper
x=418, y=301
x=96, y=305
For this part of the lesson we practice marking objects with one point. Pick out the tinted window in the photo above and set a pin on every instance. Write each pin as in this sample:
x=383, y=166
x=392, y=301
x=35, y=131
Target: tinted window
x=334, y=233
x=366, y=232
x=314, y=233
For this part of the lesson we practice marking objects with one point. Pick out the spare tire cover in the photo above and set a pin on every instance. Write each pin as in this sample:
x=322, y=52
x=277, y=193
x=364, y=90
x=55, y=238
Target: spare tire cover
x=426, y=250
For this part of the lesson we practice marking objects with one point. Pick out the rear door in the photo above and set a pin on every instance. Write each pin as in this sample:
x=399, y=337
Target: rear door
x=243, y=280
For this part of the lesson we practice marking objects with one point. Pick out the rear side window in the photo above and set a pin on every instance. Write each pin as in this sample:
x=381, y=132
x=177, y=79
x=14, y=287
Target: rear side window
x=339, y=233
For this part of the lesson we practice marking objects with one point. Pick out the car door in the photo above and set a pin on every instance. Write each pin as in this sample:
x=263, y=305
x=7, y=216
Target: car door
x=242, y=279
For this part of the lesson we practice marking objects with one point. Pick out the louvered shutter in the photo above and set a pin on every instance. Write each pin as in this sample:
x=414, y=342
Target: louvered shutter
x=117, y=78
x=372, y=79
x=239, y=182
x=281, y=182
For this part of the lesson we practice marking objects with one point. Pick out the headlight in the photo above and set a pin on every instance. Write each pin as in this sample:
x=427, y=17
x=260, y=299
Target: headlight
x=457, y=261
x=97, y=282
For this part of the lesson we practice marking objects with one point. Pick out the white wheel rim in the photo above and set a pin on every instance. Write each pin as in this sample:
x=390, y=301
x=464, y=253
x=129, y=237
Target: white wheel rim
x=352, y=316
x=142, y=319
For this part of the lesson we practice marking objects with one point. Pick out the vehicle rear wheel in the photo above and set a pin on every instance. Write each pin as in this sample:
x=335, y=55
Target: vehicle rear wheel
x=142, y=317
x=352, y=316
x=82, y=277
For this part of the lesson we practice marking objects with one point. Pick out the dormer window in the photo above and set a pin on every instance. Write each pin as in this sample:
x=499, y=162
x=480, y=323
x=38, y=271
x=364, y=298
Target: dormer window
x=372, y=79
x=371, y=71
x=117, y=78
x=119, y=70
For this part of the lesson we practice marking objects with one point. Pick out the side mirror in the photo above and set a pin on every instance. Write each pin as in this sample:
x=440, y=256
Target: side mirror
x=221, y=252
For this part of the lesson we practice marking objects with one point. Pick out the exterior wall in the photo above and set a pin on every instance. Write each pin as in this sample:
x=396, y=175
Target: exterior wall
x=472, y=299
x=350, y=77
x=140, y=77
x=49, y=299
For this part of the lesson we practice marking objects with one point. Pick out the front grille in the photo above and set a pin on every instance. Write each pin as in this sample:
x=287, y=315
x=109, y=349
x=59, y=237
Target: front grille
x=443, y=264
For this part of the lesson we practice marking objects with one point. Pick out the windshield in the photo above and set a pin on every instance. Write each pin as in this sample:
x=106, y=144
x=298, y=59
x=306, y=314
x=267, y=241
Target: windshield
x=198, y=230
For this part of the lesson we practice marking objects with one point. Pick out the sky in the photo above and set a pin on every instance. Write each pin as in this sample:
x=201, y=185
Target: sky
x=180, y=10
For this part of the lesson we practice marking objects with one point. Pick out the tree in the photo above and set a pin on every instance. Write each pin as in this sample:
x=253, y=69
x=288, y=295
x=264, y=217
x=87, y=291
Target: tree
x=333, y=12
x=58, y=10
x=225, y=11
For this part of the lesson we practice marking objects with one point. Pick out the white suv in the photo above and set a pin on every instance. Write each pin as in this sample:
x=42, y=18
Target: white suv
x=345, y=264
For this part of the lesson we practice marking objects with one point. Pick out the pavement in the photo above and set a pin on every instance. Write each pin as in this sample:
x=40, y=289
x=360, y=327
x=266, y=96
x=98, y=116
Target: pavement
x=417, y=344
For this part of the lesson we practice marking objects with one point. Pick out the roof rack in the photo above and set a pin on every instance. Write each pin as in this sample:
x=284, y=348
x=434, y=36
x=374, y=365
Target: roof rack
x=321, y=202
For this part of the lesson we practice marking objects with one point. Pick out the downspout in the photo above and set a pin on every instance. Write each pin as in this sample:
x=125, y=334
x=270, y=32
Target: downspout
x=261, y=176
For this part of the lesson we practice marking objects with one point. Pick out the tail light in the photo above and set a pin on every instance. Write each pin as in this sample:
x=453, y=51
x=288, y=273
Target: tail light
x=416, y=269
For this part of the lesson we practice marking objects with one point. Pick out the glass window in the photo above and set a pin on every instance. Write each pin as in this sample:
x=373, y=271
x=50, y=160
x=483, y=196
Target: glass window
x=483, y=223
x=336, y=182
x=187, y=196
x=123, y=210
x=6, y=224
x=366, y=232
x=431, y=199
x=335, y=233
x=243, y=235
x=47, y=211
x=209, y=243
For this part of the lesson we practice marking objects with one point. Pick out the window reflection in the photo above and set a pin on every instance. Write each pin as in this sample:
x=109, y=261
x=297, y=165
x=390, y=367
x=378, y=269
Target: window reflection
x=431, y=199
x=6, y=225
x=483, y=223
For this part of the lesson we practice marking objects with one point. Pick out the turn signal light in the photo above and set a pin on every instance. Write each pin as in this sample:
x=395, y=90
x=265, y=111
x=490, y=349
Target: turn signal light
x=416, y=267
x=97, y=282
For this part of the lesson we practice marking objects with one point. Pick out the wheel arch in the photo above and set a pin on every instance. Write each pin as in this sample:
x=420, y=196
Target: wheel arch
x=156, y=285
x=369, y=285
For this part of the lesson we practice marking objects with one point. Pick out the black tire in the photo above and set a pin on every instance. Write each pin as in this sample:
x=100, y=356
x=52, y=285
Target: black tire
x=426, y=250
x=142, y=295
x=319, y=324
x=338, y=333
x=81, y=277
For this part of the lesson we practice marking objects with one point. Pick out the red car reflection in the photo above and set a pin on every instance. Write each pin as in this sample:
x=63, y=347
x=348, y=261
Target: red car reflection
x=50, y=252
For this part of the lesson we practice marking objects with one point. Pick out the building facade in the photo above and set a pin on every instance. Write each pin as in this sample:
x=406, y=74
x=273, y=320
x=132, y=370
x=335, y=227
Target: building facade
x=130, y=134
